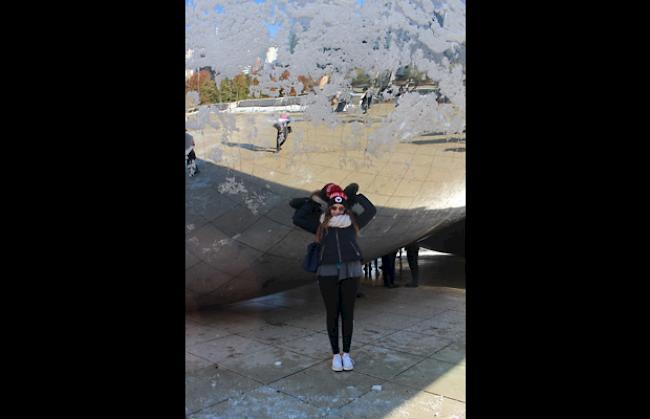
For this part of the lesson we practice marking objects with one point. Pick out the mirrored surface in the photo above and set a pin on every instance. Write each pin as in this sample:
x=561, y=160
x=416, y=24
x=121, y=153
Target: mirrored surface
x=240, y=240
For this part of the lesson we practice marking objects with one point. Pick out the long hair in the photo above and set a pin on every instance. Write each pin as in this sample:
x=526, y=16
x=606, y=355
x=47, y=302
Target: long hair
x=322, y=228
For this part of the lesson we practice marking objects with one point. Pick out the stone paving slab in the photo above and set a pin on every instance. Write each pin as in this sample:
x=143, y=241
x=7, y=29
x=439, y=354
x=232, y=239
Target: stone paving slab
x=304, y=306
x=262, y=403
x=385, y=319
x=395, y=401
x=190, y=324
x=321, y=387
x=364, y=333
x=452, y=296
x=421, y=310
x=252, y=308
x=193, y=363
x=208, y=386
x=283, y=315
x=313, y=322
x=454, y=353
x=382, y=362
x=434, y=376
x=269, y=365
x=449, y=324
x=275, y=335
x=315, y=345
x=413, y=343
x=200, y=334
x=407, y=302
x=229, y=347
x=228, y=320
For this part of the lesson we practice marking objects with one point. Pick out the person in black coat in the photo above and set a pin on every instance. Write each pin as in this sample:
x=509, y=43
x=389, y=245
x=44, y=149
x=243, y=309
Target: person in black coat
x=335, y=217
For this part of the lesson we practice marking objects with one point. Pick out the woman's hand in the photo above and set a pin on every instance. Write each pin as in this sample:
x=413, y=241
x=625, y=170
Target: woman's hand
x=351, y=192
x=296, y=203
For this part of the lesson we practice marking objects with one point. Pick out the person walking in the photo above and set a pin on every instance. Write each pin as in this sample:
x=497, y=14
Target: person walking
x=327, y=214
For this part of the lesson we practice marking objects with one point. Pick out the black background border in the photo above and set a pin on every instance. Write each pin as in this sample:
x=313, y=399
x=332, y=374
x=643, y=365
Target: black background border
x=103, y=307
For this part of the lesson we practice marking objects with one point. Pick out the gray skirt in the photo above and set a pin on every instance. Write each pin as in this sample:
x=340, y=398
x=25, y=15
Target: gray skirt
x=346, y=270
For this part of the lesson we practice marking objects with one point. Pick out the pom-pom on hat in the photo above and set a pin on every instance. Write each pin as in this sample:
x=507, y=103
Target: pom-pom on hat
x=329, y=188
x=336, y=195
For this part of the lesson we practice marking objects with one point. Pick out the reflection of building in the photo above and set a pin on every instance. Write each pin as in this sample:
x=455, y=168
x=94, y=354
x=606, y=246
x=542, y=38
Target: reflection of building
x=188, y=72
x=323, y=81
x=271, y=54
x=209, y=70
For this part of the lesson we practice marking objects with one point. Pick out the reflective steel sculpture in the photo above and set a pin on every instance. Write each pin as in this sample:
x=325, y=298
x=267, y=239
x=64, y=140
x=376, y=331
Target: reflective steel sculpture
x=241, y=242
x=405, y=149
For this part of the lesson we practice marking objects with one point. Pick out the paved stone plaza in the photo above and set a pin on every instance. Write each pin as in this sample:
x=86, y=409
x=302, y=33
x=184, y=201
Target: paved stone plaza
x=270, y=357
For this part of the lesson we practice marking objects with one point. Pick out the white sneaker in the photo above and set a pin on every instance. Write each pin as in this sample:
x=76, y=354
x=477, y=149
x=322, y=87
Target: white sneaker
x=347, y=362
x=337, y=365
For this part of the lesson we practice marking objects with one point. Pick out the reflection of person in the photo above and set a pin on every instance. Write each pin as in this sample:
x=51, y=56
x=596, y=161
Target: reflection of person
x=368, y=267
x=190, y=156
x=327, y=214
x=388, y=269
x=340, y=102
x=412, y=251
x=283, y=131
x=366, y=100
x=399, y=94
x=335, y=101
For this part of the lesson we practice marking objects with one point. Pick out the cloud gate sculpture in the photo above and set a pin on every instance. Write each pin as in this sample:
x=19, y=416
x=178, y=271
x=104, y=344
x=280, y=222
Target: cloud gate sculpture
x=407, y=152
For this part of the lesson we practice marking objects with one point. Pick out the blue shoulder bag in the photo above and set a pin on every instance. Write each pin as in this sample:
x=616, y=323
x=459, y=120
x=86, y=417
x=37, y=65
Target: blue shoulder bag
x=312, y=258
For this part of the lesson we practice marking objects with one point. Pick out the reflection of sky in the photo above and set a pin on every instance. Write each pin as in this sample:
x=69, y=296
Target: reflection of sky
x=360, y=2
x=273, y=29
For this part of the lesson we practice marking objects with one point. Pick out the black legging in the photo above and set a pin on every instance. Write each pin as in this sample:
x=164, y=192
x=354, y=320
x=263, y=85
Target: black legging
x=339, y=297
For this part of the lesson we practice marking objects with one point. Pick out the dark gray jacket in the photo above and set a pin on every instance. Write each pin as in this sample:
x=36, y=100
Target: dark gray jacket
x=338, y=244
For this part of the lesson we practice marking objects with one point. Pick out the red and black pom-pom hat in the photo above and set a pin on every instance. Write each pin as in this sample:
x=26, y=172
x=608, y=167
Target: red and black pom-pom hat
x=336, y=195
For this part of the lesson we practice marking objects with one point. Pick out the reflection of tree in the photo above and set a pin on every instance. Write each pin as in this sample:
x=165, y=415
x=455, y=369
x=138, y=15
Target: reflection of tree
x=411, y=76
x=362, y=79
x=229, y=90
x=205, y=85
x=408, y=75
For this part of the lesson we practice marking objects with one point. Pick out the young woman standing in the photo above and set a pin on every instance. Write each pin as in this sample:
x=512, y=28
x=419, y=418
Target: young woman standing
x=327, y=214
